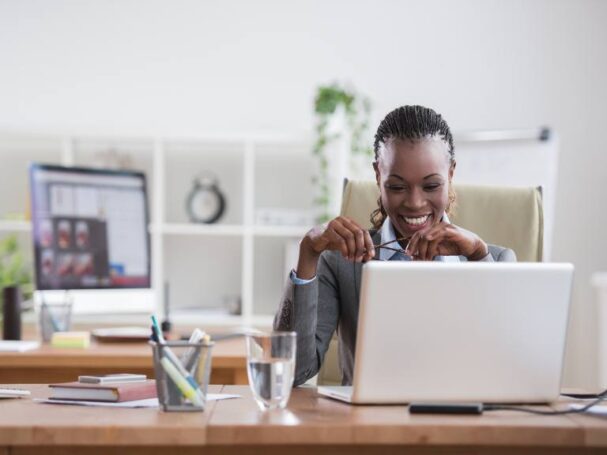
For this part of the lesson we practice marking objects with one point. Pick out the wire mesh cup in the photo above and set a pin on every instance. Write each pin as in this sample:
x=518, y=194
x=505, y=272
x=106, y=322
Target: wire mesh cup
x=271, y=368
x=182, y=372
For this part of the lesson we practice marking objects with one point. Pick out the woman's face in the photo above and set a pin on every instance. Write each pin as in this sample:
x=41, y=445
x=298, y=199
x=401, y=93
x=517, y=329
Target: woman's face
x=414, y=178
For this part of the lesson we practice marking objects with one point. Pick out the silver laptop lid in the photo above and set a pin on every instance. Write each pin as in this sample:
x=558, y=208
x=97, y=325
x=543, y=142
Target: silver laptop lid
x=431, y=331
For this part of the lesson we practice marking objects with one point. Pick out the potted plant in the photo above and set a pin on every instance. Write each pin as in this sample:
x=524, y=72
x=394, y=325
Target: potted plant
x=13, y=271
x=332, y=102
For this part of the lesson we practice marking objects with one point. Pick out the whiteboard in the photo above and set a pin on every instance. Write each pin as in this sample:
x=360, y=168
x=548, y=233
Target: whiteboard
x=512, y=158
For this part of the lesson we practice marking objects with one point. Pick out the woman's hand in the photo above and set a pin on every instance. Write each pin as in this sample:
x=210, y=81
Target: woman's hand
x=444, y=239
x=340, y=234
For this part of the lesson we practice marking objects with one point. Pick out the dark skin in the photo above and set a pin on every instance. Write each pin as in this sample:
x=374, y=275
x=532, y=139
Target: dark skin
x=414, y=179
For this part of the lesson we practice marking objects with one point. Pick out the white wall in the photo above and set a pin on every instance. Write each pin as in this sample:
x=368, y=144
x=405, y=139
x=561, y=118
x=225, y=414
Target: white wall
x=185, y=67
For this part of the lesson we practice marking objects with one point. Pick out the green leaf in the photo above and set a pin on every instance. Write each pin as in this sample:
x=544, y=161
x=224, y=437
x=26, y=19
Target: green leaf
x=357, y=110
x=12, y=267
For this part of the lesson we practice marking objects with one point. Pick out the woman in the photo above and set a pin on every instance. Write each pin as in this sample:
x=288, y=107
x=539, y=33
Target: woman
x=414, y=165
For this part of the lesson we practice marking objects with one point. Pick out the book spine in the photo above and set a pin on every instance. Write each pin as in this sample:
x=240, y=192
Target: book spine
x=141, y=392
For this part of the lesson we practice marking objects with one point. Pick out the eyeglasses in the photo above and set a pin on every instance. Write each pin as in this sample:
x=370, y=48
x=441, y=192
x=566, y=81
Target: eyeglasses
x=398, y=250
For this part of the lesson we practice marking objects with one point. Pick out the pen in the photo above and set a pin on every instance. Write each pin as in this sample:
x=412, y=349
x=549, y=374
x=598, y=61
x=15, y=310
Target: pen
x=182, y=384
x=197, y=336
x=154, y=337
x=51, y=318
x=158, y=331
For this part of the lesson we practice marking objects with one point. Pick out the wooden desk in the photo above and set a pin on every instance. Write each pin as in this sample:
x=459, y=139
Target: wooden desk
x=47, y=364
x=310, y=424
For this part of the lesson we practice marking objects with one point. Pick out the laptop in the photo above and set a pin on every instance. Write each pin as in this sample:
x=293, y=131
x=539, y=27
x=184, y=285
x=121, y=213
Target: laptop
x=459, y=332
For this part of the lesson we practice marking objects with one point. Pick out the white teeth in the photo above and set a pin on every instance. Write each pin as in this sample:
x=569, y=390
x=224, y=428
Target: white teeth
x=416, y=221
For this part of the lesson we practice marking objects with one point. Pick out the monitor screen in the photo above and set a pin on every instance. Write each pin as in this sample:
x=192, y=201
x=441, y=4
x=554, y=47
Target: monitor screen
x=90, y=228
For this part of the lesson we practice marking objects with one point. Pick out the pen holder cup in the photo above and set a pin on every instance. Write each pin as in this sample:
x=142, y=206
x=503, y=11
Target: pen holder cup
x=182, y=387
x=54, y=317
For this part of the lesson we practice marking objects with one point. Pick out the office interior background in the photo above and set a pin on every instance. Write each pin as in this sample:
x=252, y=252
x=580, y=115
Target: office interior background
x=185, y=68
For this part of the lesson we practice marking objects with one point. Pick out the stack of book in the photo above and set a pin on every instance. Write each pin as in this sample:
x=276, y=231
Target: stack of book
x=108, y=392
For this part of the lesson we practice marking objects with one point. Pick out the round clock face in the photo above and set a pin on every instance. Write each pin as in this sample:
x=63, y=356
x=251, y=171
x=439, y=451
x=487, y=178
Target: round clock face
x=205, y=203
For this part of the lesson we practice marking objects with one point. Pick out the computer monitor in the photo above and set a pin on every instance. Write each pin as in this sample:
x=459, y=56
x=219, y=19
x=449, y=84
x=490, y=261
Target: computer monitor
x=90, y=228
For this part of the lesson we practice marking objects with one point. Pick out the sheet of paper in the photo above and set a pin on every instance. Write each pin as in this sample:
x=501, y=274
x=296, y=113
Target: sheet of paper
x=598, y=410
x=18, y=346
x=148, y=403
x=221, y=396
x=11, y=392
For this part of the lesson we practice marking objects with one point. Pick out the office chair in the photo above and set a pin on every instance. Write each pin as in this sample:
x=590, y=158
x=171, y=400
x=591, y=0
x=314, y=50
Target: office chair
x=506, y=216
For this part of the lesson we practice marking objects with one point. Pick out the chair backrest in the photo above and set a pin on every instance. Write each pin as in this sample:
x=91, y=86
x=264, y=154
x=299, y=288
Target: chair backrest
x=505, y=216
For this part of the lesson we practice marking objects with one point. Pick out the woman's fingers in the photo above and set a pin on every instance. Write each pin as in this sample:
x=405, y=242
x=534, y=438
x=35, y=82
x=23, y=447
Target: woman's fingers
x=445, y=240
x=433, y=249
x=347, y=237
x=415, y=245
x=369, y=247
x=350, y=239
x=359, y=238
x=336, y=241
x=355, y=243
x=433, y=239
x=423, y=245
x=411, y=249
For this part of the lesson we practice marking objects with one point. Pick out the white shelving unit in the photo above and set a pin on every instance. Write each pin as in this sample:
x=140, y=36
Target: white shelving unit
x=15, y=226
x=206, y=266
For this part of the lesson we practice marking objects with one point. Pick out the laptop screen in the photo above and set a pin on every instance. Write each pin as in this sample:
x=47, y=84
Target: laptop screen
x=90, y=228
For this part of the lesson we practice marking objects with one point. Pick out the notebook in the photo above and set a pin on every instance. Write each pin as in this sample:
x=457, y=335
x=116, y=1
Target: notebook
x=18, y=345
x=11, y=392
x=102, y=392
x=459, y=332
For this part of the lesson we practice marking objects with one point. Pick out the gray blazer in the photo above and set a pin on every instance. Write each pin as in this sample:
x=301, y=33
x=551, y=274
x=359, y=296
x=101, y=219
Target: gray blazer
x=328, y=303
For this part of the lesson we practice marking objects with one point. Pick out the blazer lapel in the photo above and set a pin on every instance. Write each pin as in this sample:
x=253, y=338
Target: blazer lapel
x=358, y=267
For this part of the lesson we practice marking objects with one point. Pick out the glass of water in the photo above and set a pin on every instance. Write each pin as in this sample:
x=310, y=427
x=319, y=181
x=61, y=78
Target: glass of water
x=54, y=317
x=271, y=367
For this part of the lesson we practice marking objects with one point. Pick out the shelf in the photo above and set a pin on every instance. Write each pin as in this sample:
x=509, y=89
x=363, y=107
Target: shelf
x=201, y=229
x=262, y=321
x=15, y=226
x=204, y=265
x=179, y=319
x=230, y=229
x=205, y=318
x=213, y=319
x=281, y=231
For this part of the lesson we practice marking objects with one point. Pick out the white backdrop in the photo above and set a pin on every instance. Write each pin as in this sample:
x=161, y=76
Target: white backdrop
x=186, y=67
x=515, y=162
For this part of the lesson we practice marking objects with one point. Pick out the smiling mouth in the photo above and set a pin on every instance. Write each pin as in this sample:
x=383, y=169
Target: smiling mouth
x=416, y=221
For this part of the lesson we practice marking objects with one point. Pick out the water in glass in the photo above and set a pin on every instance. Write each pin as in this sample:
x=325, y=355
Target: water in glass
x=271, y=381
x=271, y=368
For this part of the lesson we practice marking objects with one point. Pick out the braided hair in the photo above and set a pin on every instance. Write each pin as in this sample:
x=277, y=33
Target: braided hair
x=413, y=123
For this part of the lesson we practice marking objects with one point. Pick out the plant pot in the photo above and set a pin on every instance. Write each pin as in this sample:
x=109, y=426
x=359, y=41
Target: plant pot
x=11, y=312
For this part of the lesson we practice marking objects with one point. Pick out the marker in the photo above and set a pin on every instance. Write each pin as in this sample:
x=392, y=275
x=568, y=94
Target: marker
x=182, y=384
x=196, y=337
x=158, y=331
x=177, y=363
x=154, y=337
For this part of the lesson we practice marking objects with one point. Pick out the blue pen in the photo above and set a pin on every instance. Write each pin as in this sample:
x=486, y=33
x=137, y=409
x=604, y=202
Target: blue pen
x=158, y=331
x=153, y=336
